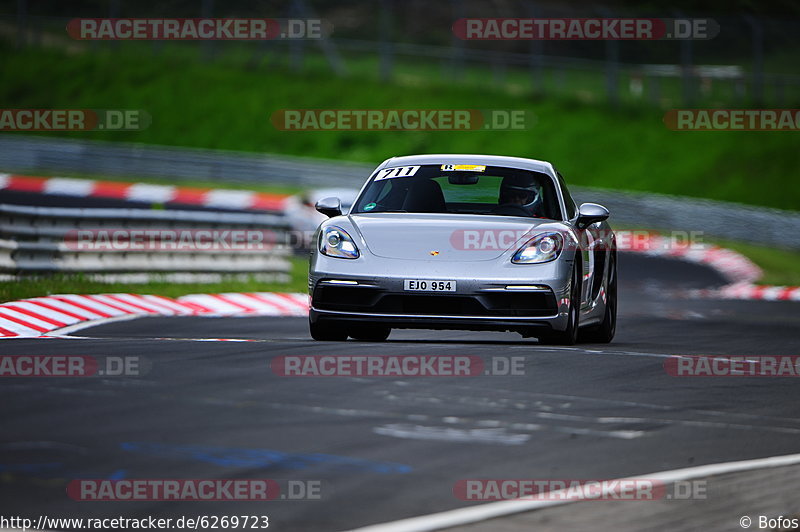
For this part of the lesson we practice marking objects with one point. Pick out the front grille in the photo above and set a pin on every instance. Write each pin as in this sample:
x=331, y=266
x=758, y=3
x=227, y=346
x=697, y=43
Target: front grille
x=345, y=296
x=354, y=299
x=430, y=304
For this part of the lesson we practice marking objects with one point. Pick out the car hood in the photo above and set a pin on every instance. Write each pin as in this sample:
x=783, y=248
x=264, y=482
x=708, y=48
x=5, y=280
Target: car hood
x=444, y=237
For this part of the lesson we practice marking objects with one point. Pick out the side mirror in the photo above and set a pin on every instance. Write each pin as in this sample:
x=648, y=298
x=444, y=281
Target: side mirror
x=590, y=213
x=330, y=207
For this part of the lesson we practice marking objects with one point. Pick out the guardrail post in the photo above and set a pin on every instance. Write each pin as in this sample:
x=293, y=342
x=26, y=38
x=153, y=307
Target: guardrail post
x=326, y=45
x=653, y=85
x=687, y=79
x=386, y=59
x=536, y=58
x=22, y=23
x=207, y=11
x=612, y=65
x=296, y=46
x=457, y=45
x=757, y=32
x=113, y=12
x=687, y=62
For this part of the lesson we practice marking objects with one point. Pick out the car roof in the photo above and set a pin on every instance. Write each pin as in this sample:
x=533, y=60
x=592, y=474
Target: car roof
x=461, y=158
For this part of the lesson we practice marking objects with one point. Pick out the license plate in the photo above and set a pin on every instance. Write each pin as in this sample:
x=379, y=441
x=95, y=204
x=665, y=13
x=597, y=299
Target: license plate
x=421, y=285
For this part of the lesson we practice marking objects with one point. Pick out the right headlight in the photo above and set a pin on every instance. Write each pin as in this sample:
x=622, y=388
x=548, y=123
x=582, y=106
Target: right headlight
x=335, y=242
x=541, y=248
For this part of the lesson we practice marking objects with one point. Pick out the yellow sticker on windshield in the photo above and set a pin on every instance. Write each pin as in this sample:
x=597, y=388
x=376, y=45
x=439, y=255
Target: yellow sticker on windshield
x=464, y=167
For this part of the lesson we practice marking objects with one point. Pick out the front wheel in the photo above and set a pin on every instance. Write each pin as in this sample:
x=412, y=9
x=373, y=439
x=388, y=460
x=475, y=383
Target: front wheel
x=569, y=336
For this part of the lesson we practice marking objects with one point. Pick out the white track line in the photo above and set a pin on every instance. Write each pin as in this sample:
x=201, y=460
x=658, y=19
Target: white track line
x=475, y=514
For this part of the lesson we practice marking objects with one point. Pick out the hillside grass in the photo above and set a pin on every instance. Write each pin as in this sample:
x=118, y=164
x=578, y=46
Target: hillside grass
x=226, y=104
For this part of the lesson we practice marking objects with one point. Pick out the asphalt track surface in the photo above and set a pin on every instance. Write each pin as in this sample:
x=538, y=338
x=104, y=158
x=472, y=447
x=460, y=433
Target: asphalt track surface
x=388, y=448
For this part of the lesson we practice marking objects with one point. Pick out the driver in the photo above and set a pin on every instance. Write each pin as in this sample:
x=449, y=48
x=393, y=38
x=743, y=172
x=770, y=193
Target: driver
x=522, y=191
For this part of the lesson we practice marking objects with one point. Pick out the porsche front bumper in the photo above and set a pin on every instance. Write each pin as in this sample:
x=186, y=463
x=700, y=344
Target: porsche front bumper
x=523, y=298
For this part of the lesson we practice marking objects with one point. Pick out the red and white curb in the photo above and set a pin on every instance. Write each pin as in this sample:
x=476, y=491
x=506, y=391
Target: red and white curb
x=740, y=271
x=145, y=192
x=749, y=292
x=40, y=316
x=250, y=304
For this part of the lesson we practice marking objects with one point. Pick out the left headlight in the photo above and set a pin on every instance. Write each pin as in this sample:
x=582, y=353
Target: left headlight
x=335, y=242
x=541, y=248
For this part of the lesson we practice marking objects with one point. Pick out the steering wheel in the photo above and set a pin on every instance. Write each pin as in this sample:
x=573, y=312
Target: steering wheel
x=512, y=209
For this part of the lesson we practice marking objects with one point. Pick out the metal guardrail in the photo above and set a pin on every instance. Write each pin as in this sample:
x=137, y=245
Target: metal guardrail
x=37, y=154
x=770, y=227
x=732, y=221
x=44, y=239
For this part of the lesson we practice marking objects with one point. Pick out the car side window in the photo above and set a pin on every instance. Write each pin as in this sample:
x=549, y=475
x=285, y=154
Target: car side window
x=569, y=203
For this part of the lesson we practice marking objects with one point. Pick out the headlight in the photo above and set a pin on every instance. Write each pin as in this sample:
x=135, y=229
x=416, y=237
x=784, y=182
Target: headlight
x=335, y=242
x=542, y=248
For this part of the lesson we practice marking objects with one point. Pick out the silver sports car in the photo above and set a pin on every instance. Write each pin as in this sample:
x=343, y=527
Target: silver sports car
x=473, y=242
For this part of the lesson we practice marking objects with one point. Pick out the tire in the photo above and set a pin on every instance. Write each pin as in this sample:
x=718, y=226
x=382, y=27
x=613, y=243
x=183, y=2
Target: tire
x=604, y=333
x=370, y=333
x=327, y=332
x=569, y=336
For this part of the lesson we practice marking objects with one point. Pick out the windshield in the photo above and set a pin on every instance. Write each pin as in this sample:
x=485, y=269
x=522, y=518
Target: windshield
x=461, y=189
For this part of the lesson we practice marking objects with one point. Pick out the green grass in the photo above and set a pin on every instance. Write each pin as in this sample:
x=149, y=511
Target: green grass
x=83, y=284
x=226, y=104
